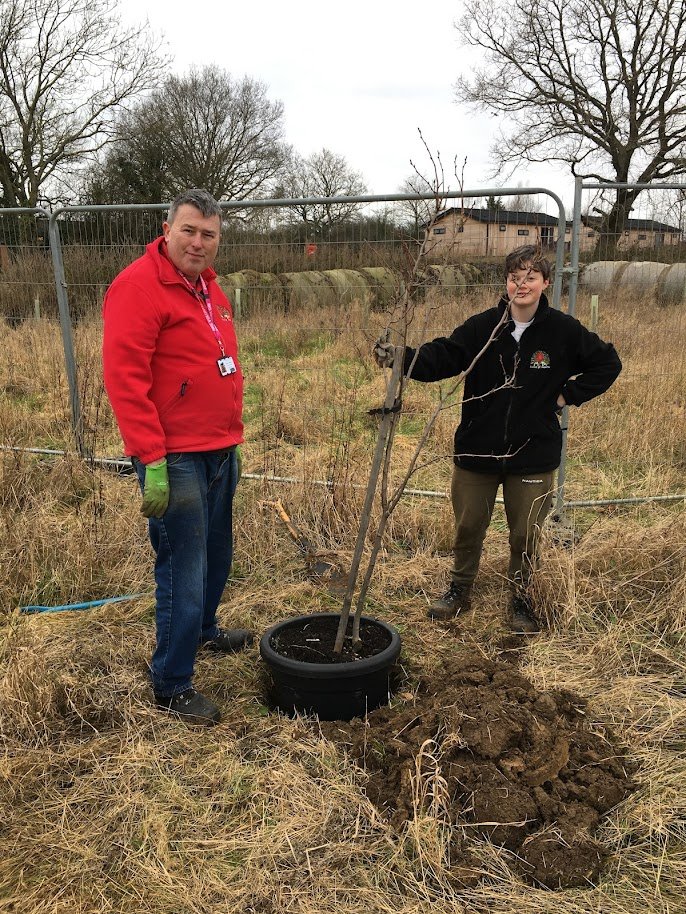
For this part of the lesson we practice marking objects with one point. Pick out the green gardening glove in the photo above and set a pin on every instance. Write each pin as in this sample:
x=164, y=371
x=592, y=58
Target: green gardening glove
x=155, y=489
x=239, y=464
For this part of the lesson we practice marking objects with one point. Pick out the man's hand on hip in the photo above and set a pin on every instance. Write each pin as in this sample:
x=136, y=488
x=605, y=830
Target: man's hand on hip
x=155, y=489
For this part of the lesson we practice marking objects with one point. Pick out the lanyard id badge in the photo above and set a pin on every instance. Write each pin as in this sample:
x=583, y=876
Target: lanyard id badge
x=226, y=366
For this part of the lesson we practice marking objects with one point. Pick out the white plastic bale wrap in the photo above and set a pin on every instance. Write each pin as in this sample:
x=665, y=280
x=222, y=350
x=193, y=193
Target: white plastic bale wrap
x=674, y=283
x=665, y=281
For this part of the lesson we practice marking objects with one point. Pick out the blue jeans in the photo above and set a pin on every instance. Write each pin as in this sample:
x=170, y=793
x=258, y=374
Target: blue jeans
x=193, y=545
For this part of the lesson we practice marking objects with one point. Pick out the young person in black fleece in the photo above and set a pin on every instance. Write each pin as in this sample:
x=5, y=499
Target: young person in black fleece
x=509, y=434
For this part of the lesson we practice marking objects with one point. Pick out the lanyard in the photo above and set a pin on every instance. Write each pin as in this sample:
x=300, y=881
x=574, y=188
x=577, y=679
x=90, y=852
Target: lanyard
x=203, y=296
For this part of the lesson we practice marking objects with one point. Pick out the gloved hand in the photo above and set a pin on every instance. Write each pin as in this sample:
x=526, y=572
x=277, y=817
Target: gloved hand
x=155, y=489
x=383, y=352
x=239, y=464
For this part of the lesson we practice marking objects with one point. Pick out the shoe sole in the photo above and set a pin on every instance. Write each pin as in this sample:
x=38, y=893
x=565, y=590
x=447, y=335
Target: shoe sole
x=440, y=615
x=191, y=718
x=525, y=629
x=210, y=646
x=228, y=650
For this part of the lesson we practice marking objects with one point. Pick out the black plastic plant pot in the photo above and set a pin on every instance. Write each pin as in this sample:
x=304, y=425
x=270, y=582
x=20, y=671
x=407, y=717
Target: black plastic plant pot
x=333, y=691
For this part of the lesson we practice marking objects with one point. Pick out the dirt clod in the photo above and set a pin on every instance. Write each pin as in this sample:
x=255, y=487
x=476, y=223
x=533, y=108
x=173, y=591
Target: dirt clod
x=511, y=764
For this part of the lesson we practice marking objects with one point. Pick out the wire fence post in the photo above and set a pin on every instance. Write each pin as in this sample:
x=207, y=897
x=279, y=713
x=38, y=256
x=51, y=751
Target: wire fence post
x=67, y=338
x=594, y=313
x=573, y=272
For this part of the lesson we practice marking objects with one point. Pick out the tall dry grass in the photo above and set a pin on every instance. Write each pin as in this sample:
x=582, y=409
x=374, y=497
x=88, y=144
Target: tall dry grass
x=107, y=807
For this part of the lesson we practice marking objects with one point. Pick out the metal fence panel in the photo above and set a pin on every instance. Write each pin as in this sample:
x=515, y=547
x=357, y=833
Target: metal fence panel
x=34, y=394
x=312, y=285
x=27, y=287
x=630, y=285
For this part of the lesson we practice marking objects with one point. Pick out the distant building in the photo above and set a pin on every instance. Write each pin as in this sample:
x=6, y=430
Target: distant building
x=485, y=232
x=637, y=233
x=467, y=230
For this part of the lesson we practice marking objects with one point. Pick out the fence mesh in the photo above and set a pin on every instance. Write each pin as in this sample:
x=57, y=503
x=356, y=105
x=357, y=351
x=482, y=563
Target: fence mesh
x=311, y=296
x=27, y=286
x=632, y=288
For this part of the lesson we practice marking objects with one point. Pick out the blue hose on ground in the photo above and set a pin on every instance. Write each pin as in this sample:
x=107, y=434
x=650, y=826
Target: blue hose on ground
x=71, y=606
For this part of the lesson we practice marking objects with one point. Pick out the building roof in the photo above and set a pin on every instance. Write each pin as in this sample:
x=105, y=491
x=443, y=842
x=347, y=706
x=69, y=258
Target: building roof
x=498, y=216
x=650, y=225
x=636, y=225
x=520, y=217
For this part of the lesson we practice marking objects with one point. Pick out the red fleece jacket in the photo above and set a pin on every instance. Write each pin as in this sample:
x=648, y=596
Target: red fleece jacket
x=160, y=362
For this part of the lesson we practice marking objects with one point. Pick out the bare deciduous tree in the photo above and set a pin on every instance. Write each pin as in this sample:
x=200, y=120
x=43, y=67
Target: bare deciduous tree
x=668, y=206
x=322, y=174
x=205, y=129
x=135, y=167
x=521, y=203
x=597, y=84
x=422, y=212
x=66, y=67
x=414, y=214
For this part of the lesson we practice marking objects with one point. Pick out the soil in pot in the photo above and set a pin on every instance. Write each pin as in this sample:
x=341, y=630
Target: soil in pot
x=313, y=642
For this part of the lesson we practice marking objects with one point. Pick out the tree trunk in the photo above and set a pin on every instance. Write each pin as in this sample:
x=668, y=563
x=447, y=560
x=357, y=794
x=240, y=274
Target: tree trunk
x=613, y=224
x=387, y=420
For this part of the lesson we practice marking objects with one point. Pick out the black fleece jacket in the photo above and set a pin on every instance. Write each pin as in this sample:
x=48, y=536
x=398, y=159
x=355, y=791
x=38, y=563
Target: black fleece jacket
x=509, y=420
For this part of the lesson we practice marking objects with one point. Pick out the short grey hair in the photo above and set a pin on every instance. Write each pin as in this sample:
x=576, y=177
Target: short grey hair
x=198, y=198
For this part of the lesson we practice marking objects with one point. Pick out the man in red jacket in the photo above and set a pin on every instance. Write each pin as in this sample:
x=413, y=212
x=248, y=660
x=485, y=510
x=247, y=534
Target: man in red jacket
x=171, y=372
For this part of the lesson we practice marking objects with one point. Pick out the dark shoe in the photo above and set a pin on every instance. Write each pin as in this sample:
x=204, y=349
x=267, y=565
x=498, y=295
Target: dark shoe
x=523, y=620
x=229, y=640
x=191, y=706
x=458, y=599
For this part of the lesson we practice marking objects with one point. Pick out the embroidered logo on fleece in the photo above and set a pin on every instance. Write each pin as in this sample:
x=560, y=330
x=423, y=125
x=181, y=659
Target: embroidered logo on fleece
x=224, y=313
x=540, y=359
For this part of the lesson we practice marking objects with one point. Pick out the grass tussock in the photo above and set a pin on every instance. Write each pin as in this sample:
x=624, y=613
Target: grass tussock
x=107, y=806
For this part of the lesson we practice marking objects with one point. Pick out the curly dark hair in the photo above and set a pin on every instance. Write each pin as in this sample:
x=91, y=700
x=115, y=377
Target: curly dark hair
x=527, y=256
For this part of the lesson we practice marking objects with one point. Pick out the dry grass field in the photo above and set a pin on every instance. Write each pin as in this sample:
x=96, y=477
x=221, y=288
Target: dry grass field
x=106, y=806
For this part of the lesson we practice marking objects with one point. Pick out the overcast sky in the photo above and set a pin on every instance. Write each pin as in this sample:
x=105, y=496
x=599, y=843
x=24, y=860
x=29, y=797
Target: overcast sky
x=358, y=77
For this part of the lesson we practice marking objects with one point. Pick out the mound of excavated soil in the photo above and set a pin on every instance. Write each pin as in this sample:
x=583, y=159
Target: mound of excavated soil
x=498, y=759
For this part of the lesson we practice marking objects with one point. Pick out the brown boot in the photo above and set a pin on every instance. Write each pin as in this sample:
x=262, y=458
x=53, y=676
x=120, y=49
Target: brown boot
x=522, y=618
x=458, y=599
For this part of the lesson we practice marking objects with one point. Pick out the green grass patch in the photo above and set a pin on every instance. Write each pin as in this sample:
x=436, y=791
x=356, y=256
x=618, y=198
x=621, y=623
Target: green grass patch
x=287, y=345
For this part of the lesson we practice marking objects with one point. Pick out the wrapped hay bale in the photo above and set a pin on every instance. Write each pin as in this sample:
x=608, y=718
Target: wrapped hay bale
x=322, y=291
x=385, y=286
x=664, y=283
x=305, y=289
x=447, y=276
x=349, y=285
x=232, y=281
x=673, y=284
x=473, y=276
x=250, y=291
x=643, y=277
x=602, y=275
